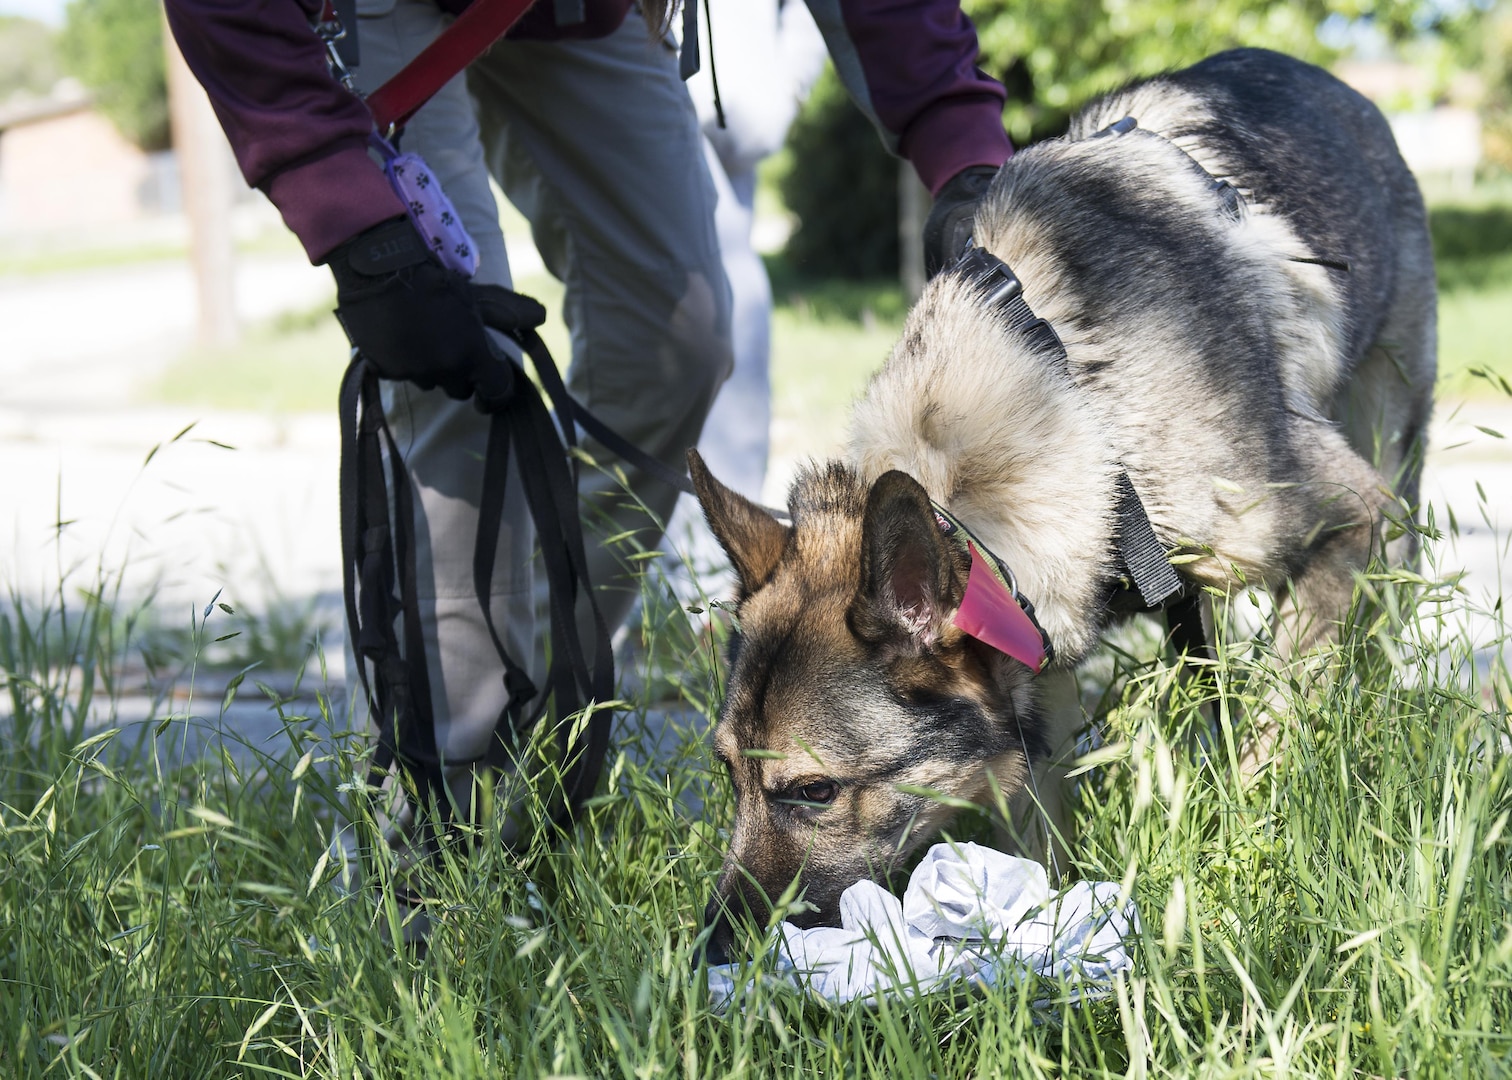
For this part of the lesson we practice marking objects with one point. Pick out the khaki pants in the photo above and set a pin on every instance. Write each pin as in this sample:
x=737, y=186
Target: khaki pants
x=598, y=146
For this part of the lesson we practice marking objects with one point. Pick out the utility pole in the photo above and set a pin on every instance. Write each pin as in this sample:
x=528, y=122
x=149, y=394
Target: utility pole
x=209, y=188
x=913, y=208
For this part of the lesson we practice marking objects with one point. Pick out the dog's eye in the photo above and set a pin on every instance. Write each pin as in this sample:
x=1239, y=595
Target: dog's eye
x=819, y=793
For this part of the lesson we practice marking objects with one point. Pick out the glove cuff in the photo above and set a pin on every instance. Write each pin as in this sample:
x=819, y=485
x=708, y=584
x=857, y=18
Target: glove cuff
x=382, y=250
x=970, y=183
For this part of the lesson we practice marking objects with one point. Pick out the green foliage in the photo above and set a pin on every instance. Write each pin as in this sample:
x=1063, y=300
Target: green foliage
x=1469, y=232
x=843, y=187
x=28, y=58
x=1054, y=56
x=115, y=47
x=1472, y=246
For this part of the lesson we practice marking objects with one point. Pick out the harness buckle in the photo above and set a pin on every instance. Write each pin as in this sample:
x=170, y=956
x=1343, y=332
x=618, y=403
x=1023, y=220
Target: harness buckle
x=990, y=275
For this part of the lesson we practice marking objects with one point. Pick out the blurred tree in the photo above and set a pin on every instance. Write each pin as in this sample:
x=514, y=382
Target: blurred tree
x=1496, y=70
x=1053, y=55
x=28, y=58
x=843, y=187
x=115, y=47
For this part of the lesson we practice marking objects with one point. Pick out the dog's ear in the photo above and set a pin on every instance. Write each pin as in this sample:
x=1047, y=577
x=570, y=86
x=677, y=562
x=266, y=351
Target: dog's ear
x=751, y=537
x=910, y=587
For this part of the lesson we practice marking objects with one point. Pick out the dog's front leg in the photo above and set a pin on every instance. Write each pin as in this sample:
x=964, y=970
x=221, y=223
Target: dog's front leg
x=1312, y=608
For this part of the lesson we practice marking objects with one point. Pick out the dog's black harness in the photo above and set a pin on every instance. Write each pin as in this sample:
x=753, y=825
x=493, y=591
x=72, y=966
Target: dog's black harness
x=1146, y=580
x=1230, y=199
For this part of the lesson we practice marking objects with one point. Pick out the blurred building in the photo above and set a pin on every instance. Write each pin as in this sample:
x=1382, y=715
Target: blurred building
x=1436, y=129
x=63, y=165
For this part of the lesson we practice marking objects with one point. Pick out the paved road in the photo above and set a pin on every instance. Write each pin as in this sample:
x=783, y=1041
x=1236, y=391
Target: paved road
x=245, y=505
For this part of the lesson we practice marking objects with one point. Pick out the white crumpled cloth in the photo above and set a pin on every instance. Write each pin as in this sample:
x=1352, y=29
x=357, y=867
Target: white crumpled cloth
x=969, y=914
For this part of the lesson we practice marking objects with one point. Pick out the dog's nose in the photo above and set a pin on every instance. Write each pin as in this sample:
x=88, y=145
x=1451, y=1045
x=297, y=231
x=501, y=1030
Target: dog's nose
x=721, y=933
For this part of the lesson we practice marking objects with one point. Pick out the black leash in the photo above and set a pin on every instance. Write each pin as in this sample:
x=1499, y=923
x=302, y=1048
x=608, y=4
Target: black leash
x=379, y=579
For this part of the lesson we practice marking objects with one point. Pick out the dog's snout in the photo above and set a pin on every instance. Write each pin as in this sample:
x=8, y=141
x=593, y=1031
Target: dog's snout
x=738, y=906
x=721, y=939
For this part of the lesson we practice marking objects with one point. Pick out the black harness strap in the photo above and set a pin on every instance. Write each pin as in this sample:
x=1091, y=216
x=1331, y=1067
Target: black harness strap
x=1143, y=555
x=1230, y=199
x=1187, y=634
x=1000, y=288
x=1149, y=570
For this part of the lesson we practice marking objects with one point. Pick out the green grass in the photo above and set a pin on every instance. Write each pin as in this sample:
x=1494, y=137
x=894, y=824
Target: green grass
x=290, y=364
x=163, y=916
x=1472, y=242
x=827, y=339
x=1473, y=335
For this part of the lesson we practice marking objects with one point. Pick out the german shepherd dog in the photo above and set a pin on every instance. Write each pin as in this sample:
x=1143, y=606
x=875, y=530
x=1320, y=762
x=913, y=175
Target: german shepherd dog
x=1237, y=263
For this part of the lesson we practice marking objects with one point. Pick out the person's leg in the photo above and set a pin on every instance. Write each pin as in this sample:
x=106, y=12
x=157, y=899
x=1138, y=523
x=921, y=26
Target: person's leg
x=736, y=437
x=442, y=441
x=597, y=144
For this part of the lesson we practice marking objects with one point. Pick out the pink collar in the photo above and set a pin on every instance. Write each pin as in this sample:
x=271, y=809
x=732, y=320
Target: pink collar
x=993, y=610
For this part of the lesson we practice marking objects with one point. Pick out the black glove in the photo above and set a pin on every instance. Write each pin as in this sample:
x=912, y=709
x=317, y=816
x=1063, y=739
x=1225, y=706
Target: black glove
x=412, y=318
x=948, y=226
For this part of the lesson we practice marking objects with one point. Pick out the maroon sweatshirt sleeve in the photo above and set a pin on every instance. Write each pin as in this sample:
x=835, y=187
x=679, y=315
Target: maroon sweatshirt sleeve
x=911, y=66
x=298, y=135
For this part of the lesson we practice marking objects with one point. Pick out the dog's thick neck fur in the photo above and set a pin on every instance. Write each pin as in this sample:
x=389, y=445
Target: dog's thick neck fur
x=1018, y=456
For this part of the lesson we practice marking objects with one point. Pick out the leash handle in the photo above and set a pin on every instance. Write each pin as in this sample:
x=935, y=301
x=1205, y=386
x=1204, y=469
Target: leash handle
x=469, y=37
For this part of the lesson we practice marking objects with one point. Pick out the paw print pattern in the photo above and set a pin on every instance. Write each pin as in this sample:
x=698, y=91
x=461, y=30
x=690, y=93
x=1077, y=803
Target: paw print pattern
x=432, y=214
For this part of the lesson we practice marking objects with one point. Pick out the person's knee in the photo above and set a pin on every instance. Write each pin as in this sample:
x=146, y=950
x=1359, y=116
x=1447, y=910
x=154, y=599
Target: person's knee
x=699, y=356
x=701, y=330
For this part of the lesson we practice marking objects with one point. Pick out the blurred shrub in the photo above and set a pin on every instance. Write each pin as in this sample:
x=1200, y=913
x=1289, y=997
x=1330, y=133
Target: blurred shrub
x=1056, y=54
x=115, y=47
x=1465, y=232
x=1472, y=247
x=843, y=188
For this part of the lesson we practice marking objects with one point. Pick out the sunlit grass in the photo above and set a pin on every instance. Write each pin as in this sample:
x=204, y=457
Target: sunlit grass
x=171, y=915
